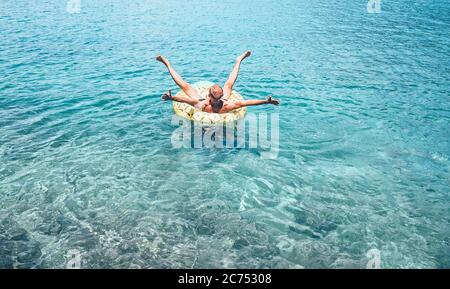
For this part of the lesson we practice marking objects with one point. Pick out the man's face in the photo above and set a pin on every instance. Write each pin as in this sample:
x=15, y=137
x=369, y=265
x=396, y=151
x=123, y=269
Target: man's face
x=215, y=91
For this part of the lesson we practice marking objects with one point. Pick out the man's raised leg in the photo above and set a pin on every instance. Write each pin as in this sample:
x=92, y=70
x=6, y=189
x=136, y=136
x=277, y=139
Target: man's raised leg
x=186, y=87
x=228, y=87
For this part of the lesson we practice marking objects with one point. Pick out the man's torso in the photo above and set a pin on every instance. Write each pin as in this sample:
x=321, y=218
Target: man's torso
x=204, y=105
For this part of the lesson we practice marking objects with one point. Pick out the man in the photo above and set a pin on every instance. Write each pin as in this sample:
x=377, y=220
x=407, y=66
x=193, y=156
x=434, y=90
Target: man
x=216, y=101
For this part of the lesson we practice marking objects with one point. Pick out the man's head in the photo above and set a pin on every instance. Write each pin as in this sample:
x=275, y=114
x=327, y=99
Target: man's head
x=215, y=92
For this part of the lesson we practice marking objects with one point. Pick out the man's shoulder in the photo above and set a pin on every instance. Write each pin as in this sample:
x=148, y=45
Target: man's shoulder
x=228, y=106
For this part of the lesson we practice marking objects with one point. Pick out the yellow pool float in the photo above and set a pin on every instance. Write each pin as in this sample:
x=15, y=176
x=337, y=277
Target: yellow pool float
x=188, y=111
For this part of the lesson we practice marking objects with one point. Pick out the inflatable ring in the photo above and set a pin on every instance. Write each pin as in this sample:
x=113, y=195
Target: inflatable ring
x=188, y=111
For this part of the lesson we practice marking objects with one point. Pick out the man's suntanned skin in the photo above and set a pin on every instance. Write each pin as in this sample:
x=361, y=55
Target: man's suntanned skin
x=217, y=99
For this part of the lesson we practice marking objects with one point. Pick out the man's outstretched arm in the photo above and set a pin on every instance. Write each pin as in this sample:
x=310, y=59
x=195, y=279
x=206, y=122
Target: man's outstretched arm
x=168, y=96
x=250, y=102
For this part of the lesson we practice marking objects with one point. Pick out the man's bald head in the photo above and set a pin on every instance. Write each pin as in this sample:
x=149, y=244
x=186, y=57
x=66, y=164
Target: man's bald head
x=215, y=91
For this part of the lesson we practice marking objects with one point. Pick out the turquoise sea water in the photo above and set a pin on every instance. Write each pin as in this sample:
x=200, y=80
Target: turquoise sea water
x=86, y=161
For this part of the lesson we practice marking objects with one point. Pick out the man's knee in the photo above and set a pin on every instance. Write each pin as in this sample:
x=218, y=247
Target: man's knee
x=185, y=87
x=227, y=86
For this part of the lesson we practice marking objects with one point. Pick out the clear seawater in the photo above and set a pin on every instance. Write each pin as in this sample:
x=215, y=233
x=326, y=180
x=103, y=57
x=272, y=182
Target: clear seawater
x=86, y=161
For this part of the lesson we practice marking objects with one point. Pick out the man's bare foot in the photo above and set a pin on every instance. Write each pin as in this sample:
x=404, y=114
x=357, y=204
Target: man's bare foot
x=162, y=59
x=244, y=55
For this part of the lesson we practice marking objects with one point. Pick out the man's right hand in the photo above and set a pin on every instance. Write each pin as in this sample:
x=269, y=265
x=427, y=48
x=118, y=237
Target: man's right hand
x=167, y=95
x=272, y=101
